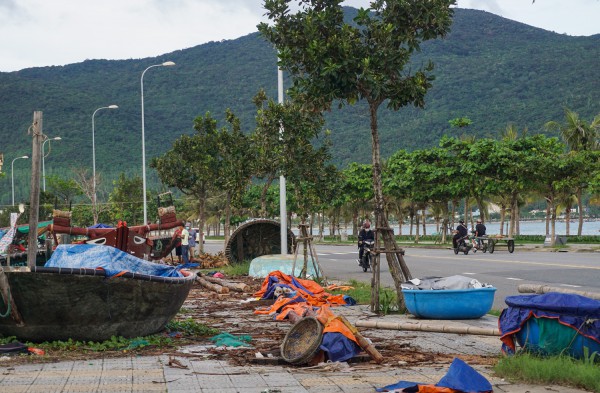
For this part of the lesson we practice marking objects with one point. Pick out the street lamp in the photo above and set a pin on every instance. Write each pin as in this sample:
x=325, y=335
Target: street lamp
x=56, y=138
x=94, y=155
x=12, y=175
x=165, y=64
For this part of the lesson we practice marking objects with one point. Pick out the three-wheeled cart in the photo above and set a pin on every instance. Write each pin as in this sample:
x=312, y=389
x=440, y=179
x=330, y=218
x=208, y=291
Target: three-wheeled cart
x=491, y=243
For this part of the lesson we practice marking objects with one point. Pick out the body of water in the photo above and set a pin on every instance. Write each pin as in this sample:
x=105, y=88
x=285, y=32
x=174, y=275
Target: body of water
x=527, y=228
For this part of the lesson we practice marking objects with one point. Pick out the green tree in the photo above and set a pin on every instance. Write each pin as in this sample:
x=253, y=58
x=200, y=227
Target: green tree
x=579, y=136
x=235, y=158
x=330, y=59
x=283, y=141
x=126, y=200
x=357, y=188
x=192, y=164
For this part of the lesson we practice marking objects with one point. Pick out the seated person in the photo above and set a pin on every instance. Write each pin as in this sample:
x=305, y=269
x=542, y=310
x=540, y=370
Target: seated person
x=461, y=231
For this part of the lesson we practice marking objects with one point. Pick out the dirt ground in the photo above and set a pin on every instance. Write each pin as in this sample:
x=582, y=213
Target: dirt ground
x=233, y=313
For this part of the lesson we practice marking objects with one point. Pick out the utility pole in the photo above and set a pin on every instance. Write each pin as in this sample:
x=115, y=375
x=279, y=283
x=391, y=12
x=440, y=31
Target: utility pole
x=34, y=195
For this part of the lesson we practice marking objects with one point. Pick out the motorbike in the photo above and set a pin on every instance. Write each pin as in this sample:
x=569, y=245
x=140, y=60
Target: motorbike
x=365, y=262
x=464, y=245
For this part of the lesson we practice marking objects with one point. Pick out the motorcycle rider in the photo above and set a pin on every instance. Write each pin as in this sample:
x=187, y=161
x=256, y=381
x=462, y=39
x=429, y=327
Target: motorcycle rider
x=461, y=231
x=365, y=234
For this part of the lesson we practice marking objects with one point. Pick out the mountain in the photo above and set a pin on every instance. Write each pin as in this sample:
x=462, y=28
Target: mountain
x=490, y=69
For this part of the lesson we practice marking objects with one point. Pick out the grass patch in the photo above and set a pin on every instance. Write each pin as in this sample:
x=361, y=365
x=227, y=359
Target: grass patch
x=495, y=313
x=114, y=344
x=237, y=269
x=560, y=370
x=187, y=327
x=361, y=292
x=190, y=327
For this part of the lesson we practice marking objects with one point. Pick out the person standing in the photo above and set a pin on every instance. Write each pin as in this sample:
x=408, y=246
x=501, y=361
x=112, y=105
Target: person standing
x=177, y=242
x=192, y=244
x=185, y=244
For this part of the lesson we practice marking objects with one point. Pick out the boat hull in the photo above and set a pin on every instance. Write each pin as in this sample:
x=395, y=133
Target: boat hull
x=83, y=304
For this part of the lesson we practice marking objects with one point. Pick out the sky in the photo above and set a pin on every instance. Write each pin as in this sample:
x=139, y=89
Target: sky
x=38, y=33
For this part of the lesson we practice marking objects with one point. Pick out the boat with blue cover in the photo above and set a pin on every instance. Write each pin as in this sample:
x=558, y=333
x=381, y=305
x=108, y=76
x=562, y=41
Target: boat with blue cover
x=91, y=293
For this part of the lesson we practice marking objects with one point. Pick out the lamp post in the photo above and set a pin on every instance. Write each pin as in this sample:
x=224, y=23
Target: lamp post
x=94, y=157
x=12, y=176
x=165, y=64
x=56, y=138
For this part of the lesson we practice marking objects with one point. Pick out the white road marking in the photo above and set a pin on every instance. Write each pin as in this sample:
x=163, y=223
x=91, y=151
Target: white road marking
x=470, y=273
x=515, y=279
x=570, y=286
x=510, y=262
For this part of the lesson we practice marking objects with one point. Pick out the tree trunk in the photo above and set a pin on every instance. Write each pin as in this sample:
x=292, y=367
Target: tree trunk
x=227, y=217
x=424, y=219
x=454, y=207
x=263, y=196
x=417, y=222
x=568, y=217
x=578, y=194
x=553, y=224
x=547, y=217
x=397, y=265
x=502, y=216
x=202, y=217
x=444, y=222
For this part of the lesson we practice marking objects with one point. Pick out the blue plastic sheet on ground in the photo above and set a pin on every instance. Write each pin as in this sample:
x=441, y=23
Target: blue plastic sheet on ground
x=112, y=260
x=338, y=347
x=460, y=376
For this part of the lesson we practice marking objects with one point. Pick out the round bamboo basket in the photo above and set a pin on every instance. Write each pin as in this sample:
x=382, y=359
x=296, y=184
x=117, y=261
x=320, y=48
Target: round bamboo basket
x=302, y=342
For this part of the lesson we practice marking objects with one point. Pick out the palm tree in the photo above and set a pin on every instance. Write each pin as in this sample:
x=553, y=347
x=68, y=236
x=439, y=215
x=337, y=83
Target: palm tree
x=579, y=136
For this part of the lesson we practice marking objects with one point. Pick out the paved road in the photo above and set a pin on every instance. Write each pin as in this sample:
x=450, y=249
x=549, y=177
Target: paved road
x=503, y=270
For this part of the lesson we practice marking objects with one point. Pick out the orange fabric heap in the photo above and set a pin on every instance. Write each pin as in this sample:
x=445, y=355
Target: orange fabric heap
x=306, y=303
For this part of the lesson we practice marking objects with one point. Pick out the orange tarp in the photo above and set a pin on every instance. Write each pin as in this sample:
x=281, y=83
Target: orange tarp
x=318, y=297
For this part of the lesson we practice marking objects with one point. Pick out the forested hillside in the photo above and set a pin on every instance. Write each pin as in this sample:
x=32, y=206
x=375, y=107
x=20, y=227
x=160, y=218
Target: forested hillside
x=492, y=70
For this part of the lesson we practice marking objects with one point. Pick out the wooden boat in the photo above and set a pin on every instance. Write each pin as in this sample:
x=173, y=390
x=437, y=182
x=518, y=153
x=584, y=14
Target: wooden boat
x=83, y=304
x=135, y=240
x=86, y=302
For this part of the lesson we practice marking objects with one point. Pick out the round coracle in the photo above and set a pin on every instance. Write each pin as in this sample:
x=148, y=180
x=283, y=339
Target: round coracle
x=302, y=342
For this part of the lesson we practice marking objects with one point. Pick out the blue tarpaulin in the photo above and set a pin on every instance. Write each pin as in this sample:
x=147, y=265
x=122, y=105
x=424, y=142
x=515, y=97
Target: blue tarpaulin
x=338, y=347
x=460, y=377
x=580, y=313
x=112, y=260
x=100, y=225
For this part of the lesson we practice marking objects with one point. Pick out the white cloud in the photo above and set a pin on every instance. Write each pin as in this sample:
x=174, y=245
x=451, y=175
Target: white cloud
x=37, y=33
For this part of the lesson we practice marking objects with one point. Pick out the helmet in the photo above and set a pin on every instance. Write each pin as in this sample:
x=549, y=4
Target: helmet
x=367, y=225
x=461, y=221
x=479, y=220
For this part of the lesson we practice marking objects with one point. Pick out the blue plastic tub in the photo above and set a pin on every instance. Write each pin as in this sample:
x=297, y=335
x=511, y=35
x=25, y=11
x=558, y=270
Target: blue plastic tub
x=449, y=303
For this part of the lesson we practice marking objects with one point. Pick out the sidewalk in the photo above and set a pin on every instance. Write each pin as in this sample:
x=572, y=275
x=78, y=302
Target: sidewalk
x=153, y=374
x=190, y=369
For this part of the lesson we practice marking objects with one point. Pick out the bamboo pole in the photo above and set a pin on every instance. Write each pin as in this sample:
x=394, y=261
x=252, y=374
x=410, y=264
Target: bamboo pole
x=8, y=299
x=213, y=287
x=539, y=289
x=34, y=196
x=421, y=327
x=363, y=342
x=234, y=286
